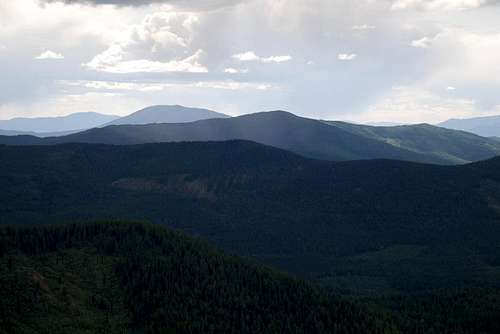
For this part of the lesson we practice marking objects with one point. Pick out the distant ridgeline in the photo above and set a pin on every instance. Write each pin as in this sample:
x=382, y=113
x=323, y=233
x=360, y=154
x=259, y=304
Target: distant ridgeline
x=336, y=141
x=60, y=126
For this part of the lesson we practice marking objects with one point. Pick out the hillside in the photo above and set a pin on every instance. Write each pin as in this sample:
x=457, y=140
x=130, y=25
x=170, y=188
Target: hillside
x=77, y=121
x=138, y=278
x=310, y=138
x=455, y=146
x=167, y=114
x=362, y=226
x=488, y=126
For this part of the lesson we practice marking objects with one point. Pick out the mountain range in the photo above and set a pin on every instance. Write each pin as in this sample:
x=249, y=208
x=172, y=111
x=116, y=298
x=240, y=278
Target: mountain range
x=488, y=126
x=391, y=224
x=73, y=122
x=36, y=134
x=335, y=141
x=61, y=126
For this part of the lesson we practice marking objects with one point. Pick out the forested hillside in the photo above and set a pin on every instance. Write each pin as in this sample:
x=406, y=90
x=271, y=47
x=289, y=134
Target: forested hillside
x=361, y=227
x=138, y=278
x=456, y=146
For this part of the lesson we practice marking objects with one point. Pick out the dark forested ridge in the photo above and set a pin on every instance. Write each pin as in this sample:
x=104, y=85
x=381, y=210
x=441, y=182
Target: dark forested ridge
x=361, y=227
x=138, y=278
x=418, y=243
x=308, y=137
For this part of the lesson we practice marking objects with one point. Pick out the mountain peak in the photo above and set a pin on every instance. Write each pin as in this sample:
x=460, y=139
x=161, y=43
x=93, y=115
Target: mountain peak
x=167, y=114
x=272, y=114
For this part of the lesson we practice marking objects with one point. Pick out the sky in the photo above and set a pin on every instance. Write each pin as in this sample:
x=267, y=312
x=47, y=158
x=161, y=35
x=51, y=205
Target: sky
x=402, y=61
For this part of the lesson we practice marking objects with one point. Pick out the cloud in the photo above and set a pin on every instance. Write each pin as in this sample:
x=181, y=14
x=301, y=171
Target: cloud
x=247, y=56
x=109, y=2
x=276, y=59
x=185, y=4
x=251, y=56
x=347, y=56
x=410, y=104
x=158, y=44
x=111, y=61
x=161, y=86
x=232, y=70
x=363, y=27
x=135, y=47
x=430, y=5
x=49, y=55
x=423, y=43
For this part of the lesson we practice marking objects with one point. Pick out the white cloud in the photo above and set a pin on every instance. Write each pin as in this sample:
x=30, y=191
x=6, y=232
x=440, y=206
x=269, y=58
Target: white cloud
x=347, y=56
x=144, y=47
x=462, y=51
x=430, y=5
x=115, y=86
x=423, y=43
x=408, y=104
x=49, y=55
x=363, y=27
x=474, y=61
x=232, y=70
x=112, y=62
x=161, y=86
x=232, y=85
x=251, y=56
x=277, y=59
x=246, y=56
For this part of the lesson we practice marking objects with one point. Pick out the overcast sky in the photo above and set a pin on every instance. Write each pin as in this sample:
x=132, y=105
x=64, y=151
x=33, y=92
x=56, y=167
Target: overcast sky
x=359, y=60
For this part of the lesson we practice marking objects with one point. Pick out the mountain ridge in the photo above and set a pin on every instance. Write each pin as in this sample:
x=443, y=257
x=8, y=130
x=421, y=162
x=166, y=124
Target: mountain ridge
x=324, y=220
x=486, y=126
x=71, y=122
x=335, y=141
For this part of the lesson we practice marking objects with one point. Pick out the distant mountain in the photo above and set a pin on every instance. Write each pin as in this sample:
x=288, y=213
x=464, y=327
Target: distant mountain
x=451, y=145
x=138, y=278
x=77, y=121
x=311, y=138
x=167, y=114
x=484, y=126
x=381, y=123
x=36, y=134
